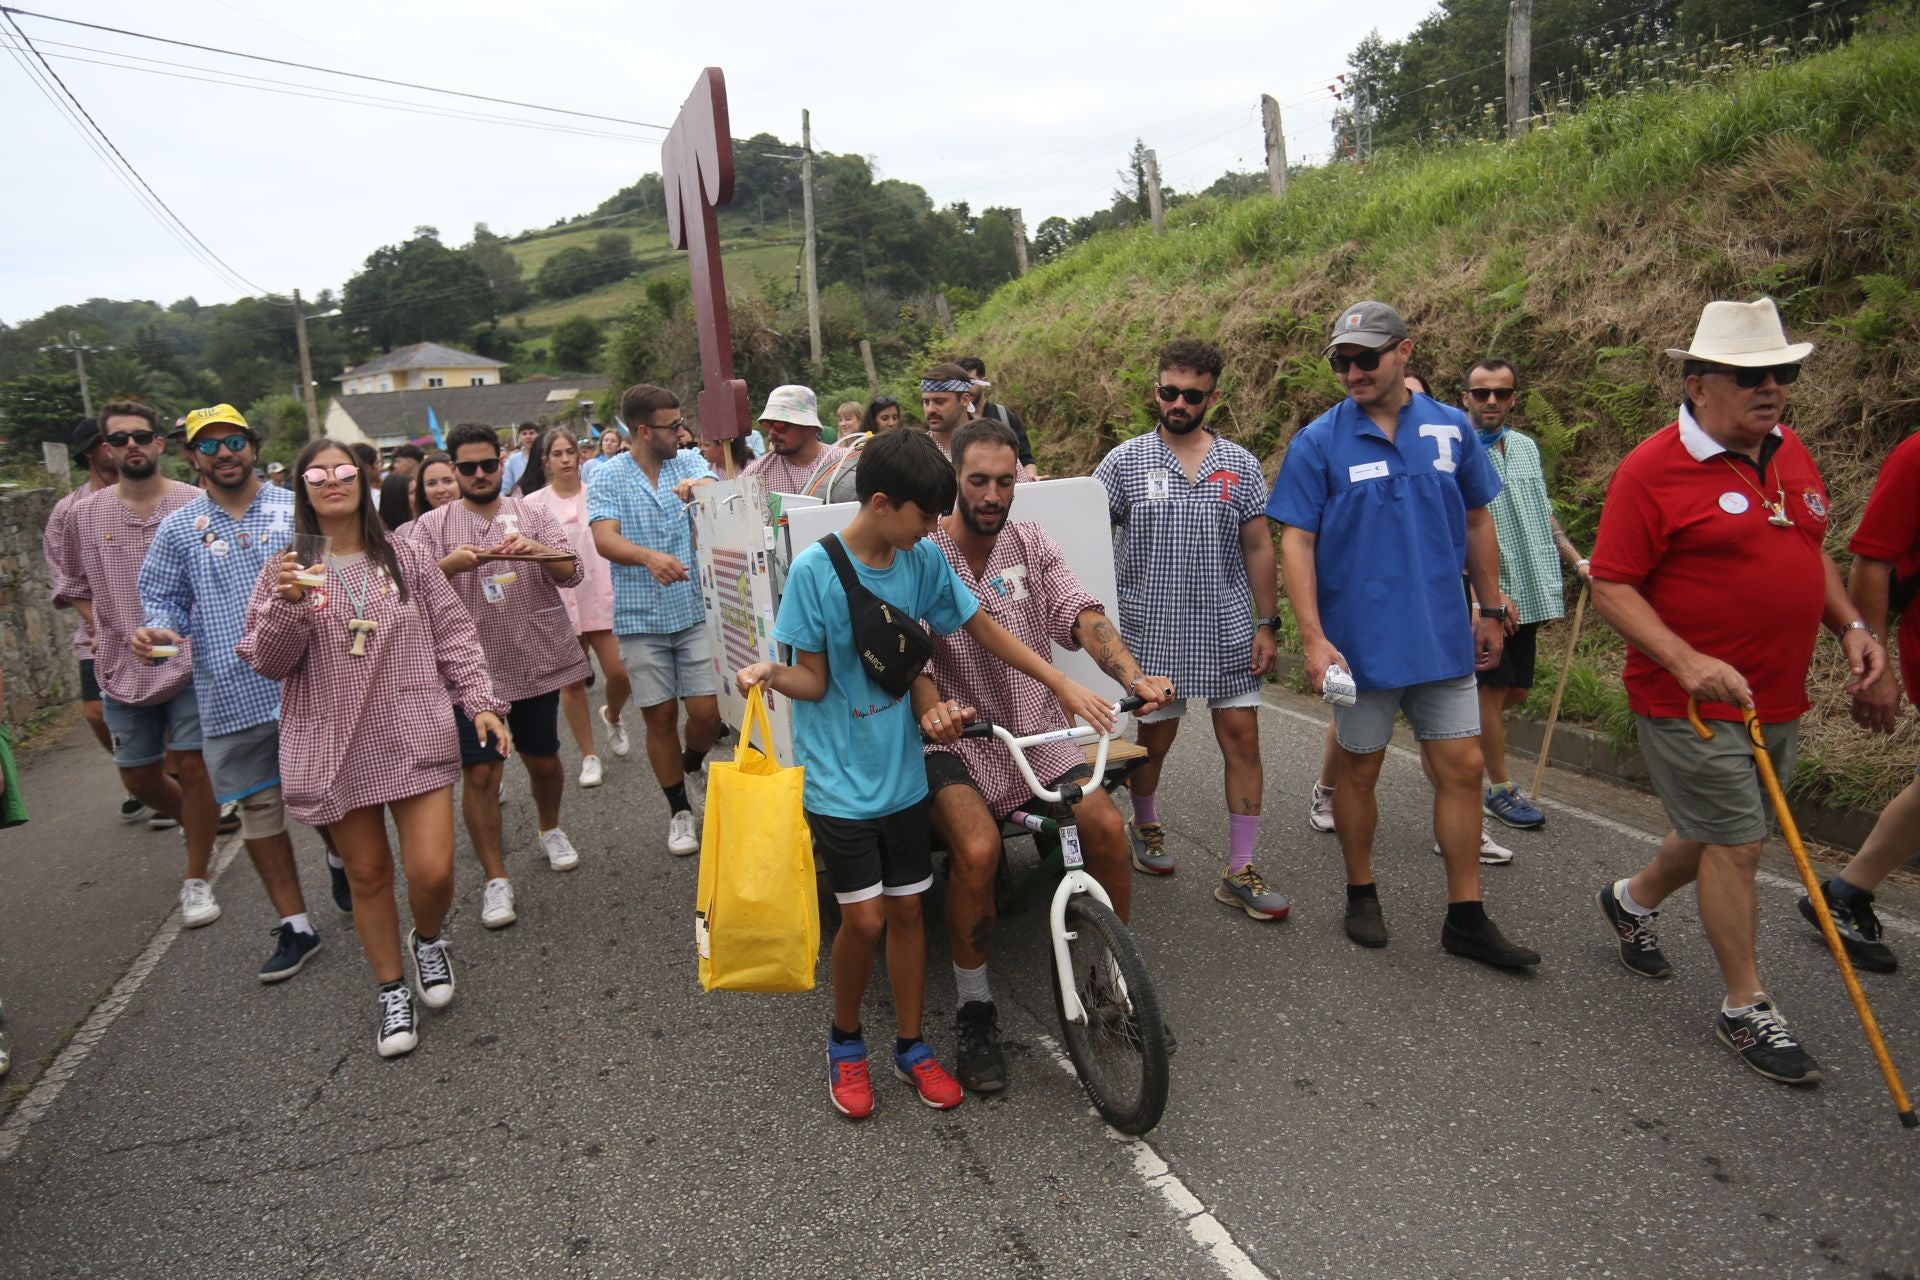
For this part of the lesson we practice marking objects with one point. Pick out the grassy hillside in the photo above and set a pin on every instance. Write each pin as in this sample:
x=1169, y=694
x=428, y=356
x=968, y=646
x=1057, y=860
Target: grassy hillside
x=1581, y=253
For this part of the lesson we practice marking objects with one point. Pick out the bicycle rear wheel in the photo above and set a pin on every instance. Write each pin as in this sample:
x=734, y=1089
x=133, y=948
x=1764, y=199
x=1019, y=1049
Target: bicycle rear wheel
x=1120, y=1052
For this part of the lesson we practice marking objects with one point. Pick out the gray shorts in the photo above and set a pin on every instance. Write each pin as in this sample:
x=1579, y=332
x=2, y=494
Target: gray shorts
x=144, y=735
x=243, y=763
x=1711, y=790
x=1437, y=711
x=665, y=667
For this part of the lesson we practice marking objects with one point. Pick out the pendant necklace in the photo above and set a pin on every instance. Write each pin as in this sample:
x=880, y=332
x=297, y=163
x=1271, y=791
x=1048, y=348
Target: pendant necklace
x=359, y=626
x=1777, y=510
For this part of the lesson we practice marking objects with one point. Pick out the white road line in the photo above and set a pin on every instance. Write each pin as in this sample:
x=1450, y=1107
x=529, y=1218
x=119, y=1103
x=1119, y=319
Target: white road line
x=45, y=1091
x=1207, y=1231
x=1772, y=879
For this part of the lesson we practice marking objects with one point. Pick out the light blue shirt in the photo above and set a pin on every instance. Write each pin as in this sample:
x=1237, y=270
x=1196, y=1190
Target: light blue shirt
x=859, y=743
x=196, y=581
x=650, y=515
x=1390, y=519
x=512, y=467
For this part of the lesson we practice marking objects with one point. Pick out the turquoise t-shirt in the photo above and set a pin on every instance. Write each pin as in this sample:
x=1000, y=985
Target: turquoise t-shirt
x=859, y=743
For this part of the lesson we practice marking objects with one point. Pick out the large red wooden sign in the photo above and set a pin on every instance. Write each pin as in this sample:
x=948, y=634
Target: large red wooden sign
x=696, y=166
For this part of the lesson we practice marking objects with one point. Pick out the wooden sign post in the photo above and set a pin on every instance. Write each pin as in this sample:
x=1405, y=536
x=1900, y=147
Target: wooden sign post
x=696, y=166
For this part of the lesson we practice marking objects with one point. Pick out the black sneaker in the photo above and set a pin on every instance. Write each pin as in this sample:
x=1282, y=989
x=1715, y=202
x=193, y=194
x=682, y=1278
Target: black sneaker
x=978, y=1062
x=1487, y=945
x=434, y=969
x=132, y=810
x=289, y=954
x=1858, y=927
x=1365, y=924
x=229, y=818
x=399, y=1024
x=1639, y=945
x=1761, y=1038
x=342, y=891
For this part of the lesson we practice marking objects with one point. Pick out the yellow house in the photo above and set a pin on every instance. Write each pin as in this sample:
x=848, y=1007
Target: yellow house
x=421, y=367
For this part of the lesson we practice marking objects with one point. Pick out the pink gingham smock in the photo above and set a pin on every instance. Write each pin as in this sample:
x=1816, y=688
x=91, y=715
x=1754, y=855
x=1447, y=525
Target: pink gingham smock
x=104, y=546
x=589, y=605
x=781, y=476
x=53, y=541
x=366, y=731
x=528, y=637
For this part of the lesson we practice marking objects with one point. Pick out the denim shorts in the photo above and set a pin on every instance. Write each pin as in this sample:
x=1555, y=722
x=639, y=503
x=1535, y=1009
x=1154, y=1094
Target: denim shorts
x=668, y=666
x=243, y=763
x=144, y=735
x=1437, y=711
x=1178, y=706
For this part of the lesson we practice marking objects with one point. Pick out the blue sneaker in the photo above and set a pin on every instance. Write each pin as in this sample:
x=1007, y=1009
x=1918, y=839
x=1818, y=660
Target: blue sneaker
x=342, y=891
x=849, y=1087
x=1509, y=806
x=290, y=955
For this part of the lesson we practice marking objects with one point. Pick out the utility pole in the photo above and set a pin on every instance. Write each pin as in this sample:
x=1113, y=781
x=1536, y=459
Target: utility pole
x=873, y=377
x=1020, y=241
x=1519, y=66
x=79, y=350
x=1154, y=204
x=806, y=197
x=1276, y=146
x=306, y=366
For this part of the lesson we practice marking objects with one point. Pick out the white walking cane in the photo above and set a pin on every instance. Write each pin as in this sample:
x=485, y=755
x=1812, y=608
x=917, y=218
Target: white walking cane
x=1559, y=688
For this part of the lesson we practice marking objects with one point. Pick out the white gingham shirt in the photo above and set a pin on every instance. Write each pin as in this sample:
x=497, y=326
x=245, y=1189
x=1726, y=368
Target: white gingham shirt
x=1027, y=588
x=1186, y=609
x=778, y=475
x=100, y=562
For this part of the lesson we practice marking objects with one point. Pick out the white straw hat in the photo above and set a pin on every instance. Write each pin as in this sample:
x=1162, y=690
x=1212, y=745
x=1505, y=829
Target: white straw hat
x=1745, y=335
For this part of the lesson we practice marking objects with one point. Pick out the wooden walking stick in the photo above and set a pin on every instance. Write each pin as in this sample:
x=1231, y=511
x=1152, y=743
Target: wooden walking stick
x=1559, y=688
x=1764, y=763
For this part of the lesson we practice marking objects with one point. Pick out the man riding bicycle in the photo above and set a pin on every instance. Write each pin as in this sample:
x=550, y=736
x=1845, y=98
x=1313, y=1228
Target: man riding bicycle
x=1022, y=580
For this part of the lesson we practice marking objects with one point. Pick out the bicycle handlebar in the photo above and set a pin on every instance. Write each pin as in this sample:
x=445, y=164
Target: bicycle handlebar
x=1076, y=733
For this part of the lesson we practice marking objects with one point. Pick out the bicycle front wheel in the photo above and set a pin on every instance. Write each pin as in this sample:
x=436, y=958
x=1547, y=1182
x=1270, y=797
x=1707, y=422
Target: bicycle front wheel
x=1120, y=1051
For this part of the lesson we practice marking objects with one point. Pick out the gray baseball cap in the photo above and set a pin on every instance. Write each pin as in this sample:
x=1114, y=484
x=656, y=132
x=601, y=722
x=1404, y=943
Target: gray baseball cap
x=1367, y=324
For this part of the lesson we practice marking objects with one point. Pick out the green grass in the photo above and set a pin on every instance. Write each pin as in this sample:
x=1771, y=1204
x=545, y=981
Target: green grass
x=743, y=265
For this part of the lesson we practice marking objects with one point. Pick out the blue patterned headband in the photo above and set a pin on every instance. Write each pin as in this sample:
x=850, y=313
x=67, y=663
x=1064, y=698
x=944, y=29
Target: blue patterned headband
x=930, y=385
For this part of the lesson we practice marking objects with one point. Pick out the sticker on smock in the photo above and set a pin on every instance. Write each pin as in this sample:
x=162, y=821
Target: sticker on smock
x=1159, y=484
x=1366, y=471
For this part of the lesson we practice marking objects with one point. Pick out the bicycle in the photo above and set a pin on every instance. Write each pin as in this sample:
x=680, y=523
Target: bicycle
x=1108, y=1009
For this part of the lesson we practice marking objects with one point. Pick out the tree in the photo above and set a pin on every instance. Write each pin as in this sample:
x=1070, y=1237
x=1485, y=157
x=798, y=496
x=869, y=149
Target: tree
x=571, y=271
x=420, y=291
x=511, y=292
x=576, y=344
x=613, y=250
x=36, y=407
x=1052, y=238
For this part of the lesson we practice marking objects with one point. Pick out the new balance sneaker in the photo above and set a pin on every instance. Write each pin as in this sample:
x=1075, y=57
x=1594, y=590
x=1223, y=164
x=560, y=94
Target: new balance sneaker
x=197, y=906
x=1492, y=852
x=399, y=1024
x=1761, y=1038
x=590, y=772
x=132, y=810
x=1320, y=809
x=1858, y=926
x=682, y=837
x=1509, y=806
x=290, y=952
x=617, y=740
x=849, y=1087
x=1246, y=890
x=561, y=855
x=1486, y=944
x=1150, y=854
x=433, y=969
x=342, y=891
x=496, y=904
x=229, y=818
x=929, y=1079
x=1639, y=944
x=977, y=1059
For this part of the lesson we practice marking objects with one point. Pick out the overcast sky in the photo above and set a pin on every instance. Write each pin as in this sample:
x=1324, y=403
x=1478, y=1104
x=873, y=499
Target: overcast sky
x=1032, y=105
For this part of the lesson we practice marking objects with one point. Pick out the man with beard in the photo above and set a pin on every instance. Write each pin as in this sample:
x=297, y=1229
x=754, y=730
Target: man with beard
x=946, y=398
x=196, y=582
x=1020, y=578
x=150, y=707
x=529, y=642
x=792, y=423
x=1194, y=566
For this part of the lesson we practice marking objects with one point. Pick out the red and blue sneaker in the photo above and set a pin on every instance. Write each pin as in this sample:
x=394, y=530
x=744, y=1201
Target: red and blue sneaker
x=929, y=1079
x=848, y=1085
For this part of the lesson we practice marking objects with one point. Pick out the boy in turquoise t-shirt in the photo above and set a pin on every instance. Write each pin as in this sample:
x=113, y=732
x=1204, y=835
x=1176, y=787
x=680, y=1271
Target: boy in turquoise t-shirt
x=866, y=788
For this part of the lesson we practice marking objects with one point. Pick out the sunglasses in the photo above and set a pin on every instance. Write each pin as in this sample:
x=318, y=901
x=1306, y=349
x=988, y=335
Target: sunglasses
x=485, y=466
x=233, y=444
x=121, y=439
x=1483, y=394
x=1192, y=395
x=1748, y=379
x=675, y=425
x=341, y=471
x=1366, y=362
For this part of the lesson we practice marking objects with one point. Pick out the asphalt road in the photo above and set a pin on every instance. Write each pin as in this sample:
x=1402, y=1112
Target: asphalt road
x=584, y=1110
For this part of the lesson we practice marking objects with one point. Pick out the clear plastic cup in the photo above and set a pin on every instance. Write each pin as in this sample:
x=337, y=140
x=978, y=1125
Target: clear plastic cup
x=160, y=652
x=311, y=551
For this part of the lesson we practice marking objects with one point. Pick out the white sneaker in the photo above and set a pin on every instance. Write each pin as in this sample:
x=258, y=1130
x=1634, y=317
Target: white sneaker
x=399, y=1026
x=1320, y=810
x=496, y=906
x=1492, y=854
x=561, y=855
x=682, y=839
x=434, y=970
x=197, y=906
x=590, y=771
x=617, y=740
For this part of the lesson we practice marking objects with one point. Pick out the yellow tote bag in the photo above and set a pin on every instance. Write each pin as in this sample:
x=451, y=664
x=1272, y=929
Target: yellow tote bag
x=757, y=918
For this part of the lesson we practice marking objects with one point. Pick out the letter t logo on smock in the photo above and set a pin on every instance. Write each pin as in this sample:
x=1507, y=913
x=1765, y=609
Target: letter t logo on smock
x=1443, y=435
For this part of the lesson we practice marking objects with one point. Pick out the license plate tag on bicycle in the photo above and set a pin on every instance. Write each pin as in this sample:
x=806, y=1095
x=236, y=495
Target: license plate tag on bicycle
x=1070, y=847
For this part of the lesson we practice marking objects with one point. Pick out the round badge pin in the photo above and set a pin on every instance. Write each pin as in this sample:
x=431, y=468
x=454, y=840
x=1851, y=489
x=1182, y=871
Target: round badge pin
x=200, y=524
x=1734, y=504
x=219, y=547
x=318, y=599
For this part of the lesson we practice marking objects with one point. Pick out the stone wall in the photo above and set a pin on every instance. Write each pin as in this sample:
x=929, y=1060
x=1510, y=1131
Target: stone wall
x=36, y=640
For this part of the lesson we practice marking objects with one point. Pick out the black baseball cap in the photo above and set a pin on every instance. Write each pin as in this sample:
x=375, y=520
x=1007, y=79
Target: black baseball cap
x=86, y=434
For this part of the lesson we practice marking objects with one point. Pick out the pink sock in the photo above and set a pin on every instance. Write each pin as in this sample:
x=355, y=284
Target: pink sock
x=1146, y=809
x=1244, y=829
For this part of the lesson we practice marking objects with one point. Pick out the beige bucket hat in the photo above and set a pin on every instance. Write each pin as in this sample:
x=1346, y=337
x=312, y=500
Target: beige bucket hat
x=1744, y=335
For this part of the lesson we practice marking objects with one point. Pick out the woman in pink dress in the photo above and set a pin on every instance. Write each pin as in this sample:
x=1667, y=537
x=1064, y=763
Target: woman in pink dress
x=589, y=605
x=366, y=722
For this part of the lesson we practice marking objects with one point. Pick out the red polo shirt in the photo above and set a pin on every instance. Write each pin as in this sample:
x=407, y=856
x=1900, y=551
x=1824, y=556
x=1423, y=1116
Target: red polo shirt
x=1690, y=532
x=1890, y=531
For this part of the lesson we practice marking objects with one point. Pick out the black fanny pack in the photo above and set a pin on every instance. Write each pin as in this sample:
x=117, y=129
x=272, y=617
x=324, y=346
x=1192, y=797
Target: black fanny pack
x=893, y=647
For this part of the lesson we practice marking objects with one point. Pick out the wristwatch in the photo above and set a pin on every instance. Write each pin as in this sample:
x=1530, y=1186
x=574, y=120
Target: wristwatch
x=1272, y=624
x=1494, y=611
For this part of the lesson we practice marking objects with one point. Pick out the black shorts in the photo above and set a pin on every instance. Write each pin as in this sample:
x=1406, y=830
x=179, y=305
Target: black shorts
x=1515, y=668
x=534, y=723
x=867, y=857
x=945, y=769
x=89, y=687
